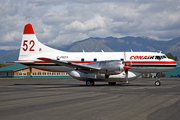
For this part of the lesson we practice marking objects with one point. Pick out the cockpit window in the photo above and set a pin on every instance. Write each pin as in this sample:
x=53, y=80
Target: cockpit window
x=164, y=56
x=158, y=57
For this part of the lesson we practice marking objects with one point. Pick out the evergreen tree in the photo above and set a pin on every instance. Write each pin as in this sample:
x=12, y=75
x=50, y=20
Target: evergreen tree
x=169, y=55
x=4, y=65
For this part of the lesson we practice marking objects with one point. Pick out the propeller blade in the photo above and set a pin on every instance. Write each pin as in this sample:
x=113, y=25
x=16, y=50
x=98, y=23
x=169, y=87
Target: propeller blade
x=126, y=67
x=125, y=58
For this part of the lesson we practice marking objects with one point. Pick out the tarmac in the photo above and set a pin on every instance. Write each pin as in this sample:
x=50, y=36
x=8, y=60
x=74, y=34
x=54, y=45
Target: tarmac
x=70, y=99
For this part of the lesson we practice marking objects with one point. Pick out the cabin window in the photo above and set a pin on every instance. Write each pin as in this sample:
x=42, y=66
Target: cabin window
x=95, y=59
x=82, y=60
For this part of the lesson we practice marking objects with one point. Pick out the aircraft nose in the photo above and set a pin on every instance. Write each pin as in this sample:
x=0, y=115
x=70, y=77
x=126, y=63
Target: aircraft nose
x=173, y=64
x=169, y=65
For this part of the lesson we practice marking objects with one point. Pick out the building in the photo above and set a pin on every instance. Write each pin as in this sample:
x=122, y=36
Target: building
x=22, y=71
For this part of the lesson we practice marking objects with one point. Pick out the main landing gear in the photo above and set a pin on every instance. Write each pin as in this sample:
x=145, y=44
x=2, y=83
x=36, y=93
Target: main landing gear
x=89, y=83
x=158, y=83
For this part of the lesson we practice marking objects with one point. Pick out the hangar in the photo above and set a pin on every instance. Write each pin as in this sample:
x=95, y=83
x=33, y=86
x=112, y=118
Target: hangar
x=22, y=71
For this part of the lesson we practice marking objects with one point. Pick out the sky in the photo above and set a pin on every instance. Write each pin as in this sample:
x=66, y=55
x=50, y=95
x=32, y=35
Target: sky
x=59, y=22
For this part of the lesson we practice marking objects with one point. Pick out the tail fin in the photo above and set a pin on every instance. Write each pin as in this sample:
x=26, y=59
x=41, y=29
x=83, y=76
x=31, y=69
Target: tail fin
x=30, y=45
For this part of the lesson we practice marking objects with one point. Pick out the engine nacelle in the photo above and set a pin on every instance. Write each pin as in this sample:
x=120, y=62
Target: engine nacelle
x=111, y=67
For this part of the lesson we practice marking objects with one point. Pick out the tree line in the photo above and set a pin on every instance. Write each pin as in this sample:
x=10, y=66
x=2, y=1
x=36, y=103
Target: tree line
x=4, y=65
x=169, y=55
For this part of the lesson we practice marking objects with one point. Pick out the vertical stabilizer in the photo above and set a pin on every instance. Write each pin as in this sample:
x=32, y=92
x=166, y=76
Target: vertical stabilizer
x=30, y=46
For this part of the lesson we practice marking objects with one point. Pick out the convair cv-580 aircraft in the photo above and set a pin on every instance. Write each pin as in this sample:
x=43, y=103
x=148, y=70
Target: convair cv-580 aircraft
x=102, y=66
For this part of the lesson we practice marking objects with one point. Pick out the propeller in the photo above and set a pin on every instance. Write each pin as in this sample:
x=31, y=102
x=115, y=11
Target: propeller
x=126, y=67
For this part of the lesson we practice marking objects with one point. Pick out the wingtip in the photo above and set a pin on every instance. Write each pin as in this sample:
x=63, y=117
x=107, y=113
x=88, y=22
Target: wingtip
x=28, y=29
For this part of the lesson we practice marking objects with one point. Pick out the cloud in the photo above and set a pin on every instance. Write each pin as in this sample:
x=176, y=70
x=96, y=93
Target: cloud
x=97, y=22
x=60, y=22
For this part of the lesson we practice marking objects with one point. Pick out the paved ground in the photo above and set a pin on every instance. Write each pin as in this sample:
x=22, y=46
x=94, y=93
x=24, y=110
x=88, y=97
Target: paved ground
x=69, y=99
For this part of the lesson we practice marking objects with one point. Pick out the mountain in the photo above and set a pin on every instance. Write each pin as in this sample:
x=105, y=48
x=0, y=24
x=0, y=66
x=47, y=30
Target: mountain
x=10, y=56
x=88, y=45
x=3, y=52
x=111, y=44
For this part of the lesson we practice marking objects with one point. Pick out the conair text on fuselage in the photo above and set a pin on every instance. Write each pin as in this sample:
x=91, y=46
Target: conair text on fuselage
x=141, y=57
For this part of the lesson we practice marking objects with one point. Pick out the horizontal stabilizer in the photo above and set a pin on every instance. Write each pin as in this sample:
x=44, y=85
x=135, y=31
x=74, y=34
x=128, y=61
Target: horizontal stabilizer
x=21, y=61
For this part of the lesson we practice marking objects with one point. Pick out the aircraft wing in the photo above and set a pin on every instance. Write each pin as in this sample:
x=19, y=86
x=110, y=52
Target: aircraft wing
x=70, y=64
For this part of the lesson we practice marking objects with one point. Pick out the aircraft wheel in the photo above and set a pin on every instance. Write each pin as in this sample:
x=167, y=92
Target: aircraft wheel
x=112, y=83
x=89, y=83
x=157, y=83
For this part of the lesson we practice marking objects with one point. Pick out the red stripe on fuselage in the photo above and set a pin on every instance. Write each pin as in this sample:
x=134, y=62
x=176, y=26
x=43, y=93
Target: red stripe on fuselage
x=82, y=62
x=152, y=62
x=37, y=62
x=128, y=62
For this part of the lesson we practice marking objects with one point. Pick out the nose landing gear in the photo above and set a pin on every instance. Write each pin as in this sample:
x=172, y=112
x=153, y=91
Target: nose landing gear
x=157, y=83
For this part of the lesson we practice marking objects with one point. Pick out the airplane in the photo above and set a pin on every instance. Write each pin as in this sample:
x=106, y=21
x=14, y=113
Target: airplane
x=90, y=67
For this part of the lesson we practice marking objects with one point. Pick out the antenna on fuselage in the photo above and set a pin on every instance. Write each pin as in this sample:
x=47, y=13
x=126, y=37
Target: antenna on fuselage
x=160, y=51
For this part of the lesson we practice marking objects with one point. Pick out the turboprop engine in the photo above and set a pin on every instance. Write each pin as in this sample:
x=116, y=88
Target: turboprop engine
x=111, y=67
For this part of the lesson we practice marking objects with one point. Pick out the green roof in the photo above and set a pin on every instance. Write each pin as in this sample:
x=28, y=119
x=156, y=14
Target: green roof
x=12, y=67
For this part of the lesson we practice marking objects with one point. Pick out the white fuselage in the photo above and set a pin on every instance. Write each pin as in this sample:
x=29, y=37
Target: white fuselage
x=141, y=62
